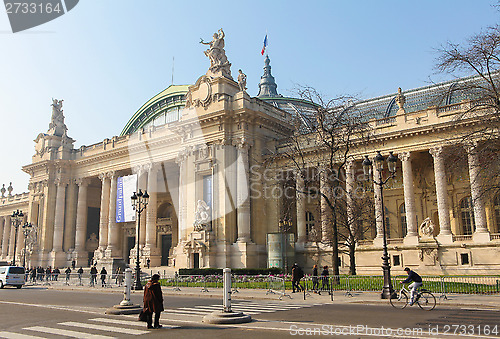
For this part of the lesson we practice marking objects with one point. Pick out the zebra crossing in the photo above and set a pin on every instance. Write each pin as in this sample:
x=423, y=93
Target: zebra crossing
x=108, y=328
x=247, y=307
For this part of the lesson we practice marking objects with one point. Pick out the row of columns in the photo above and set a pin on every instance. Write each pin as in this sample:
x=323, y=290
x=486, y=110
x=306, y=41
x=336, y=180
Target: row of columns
x=445, y=236
x=7, y=239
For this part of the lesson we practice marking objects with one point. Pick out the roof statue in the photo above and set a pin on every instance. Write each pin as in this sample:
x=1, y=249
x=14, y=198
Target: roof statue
x=242, y=80
x=57, y=126
x=267, y=85
x=400, y=99
x=219, y=65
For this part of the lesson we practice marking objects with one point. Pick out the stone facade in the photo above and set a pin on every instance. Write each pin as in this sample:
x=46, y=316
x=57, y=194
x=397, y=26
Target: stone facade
x=213, y=153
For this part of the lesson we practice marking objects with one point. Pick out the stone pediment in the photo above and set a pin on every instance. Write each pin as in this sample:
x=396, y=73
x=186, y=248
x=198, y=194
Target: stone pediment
x=208, y=90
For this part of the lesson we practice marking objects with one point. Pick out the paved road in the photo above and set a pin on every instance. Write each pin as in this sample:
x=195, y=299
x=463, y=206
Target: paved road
x=46, y=313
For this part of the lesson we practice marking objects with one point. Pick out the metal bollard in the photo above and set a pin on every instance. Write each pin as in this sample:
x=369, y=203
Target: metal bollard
x=227, y=289
x=128, y=286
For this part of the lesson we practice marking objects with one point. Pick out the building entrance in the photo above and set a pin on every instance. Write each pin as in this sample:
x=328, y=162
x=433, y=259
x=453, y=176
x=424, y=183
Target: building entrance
x=166, y=244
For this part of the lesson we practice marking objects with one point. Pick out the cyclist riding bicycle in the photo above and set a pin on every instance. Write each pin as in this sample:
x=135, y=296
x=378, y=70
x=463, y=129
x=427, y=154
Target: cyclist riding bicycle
x=416, y=282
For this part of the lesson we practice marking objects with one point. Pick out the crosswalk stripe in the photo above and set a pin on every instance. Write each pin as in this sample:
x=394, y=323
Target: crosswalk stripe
x=125, y=322
x=104, y=328
x=187, y=312
x=271, y=305
x=256, y=306
x=12, y=335
x=67, y=333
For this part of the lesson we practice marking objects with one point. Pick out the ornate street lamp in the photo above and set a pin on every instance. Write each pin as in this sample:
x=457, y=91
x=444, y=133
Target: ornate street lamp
x=139, y=203
x=379, y=159
x=17, y=217
x=27, y=228
x=285, y=225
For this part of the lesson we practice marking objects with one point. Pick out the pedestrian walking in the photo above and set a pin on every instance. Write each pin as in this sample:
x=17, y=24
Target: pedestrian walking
x=33, y=274
x=148, y=262
x=48, y=274
x=68, y=273
x=118, y=276
x=93, y=276
x=80, y=273
x=324, y=279
x=55, y=274
x=315, y=279
x=153, y=301
x=73, y=264
x=297, y=274
x=103, y=273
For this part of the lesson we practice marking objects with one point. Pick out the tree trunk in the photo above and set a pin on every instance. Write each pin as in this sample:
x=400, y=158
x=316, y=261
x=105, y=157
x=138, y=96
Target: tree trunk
x=352, y=256
x=335, y=245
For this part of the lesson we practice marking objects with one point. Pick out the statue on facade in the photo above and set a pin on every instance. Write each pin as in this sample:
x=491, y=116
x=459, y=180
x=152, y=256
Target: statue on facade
x=427, y=228
x=57, y=126
x=400, y=99
x=242, y=81
x=202, y=216
x=217, y=54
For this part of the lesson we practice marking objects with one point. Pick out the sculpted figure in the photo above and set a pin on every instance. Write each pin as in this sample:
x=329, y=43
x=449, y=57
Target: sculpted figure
x=217, y=54
x=201, y=217
x=242, y=80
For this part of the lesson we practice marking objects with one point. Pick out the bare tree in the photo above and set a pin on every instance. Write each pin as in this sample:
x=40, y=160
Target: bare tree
x=320, y=147
x=479, y=58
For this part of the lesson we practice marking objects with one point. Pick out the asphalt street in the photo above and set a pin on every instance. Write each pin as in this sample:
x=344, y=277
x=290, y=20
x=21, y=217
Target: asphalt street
x=45, y=313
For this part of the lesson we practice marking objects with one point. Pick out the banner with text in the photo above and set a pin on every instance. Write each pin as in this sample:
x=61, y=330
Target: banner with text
x=125, y=188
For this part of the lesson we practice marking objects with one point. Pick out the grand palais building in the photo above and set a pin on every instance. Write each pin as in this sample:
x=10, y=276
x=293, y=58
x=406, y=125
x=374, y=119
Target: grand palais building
x=202, y=153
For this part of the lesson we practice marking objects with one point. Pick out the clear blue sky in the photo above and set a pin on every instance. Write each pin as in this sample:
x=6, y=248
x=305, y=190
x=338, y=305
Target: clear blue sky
x=106, y=58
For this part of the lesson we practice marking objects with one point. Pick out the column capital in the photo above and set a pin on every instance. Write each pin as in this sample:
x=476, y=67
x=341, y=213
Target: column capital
x=61, y=182
x=82, y=181
x=404, y=156
x=242, y=143
x=141, y=169
x=436, y=151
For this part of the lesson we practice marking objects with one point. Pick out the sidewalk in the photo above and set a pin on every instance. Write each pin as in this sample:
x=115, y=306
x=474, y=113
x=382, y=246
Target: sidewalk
x=340, y=297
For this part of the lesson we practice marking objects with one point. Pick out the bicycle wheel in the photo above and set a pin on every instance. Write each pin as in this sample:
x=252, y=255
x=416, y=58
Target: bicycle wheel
x=399, y=299
x=426, y=301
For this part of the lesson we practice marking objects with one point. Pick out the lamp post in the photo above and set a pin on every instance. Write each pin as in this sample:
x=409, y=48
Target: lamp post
x=285, y=225
x=26, y=231
x=17, y=217
x=379, y=159
x=139, y=203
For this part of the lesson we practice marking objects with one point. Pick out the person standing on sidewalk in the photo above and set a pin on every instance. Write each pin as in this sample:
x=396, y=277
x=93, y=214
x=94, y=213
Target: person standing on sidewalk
x=93, y=276
x=80, y=273
x=324, y=279
x=104, y=274
x=153, y=301
x=297, y=274
x=68, y=272
x=315, y=279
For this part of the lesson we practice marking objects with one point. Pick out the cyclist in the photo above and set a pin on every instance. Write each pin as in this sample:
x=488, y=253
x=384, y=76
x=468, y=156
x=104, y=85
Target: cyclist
x=416, y=282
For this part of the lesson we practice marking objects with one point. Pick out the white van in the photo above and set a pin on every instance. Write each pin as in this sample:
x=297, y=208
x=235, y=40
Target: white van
x=12, y=275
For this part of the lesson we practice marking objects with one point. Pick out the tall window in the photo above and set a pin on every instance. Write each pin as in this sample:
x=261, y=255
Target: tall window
x=496, y=205
x=207, y=190
x=309, y=224
x=467, y=215
x=402, y=216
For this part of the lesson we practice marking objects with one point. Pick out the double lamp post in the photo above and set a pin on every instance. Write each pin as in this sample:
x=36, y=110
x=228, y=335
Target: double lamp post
x=139, y=203
x=379, y=160
x=17, y=218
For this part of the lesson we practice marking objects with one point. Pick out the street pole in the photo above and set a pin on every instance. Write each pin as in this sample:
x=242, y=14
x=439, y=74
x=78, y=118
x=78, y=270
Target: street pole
x=16, y=221
x=139, y=203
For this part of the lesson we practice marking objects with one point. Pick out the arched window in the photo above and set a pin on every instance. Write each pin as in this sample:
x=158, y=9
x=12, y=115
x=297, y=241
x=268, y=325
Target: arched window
x=309, y=224
x=402, y=218
x=496, y=205
x=467, y=216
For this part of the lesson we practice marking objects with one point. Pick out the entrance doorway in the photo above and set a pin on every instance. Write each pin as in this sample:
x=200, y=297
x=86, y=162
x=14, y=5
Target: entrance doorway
x=166, y=244
x=196, y=260
x=130, y=245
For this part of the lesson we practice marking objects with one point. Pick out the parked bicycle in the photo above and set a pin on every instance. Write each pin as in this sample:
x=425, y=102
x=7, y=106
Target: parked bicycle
x=424, y=299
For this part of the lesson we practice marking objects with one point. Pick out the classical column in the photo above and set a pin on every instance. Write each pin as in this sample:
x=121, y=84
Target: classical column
x=81, y=222
x=6, y=234
x=377, y=200
x=104, y=217
x=301, y=207
x=151, y=250
x=445, y=235
x=2, y=221
x=243, y=192
x=113, y=229
x=57, y=243
x=349, y=187
x=12, y=240
x=481, y=233
x=324, y=188
x=411, y=237
x=181, y=223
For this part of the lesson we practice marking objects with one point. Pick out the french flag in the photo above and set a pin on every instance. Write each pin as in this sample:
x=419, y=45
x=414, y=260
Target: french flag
x=265, y=45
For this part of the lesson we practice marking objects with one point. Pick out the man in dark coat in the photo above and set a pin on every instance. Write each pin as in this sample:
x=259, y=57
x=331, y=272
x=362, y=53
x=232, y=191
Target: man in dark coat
x=153, y=301
x=297, y=274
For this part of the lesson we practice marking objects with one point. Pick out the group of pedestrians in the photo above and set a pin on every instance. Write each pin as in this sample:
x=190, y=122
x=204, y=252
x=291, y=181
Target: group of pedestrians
x=298, y=274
